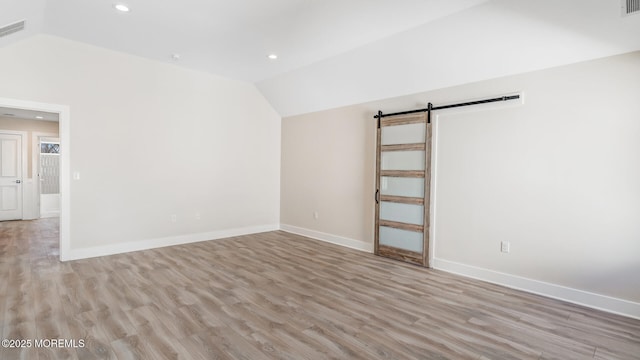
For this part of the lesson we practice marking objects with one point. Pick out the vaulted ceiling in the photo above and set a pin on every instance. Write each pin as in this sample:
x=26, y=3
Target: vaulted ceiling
x=339, y=52
x=230, y=38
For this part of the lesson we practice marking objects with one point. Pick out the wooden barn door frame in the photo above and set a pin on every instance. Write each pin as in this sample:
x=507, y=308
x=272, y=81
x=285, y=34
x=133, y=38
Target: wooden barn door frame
x=412, y=257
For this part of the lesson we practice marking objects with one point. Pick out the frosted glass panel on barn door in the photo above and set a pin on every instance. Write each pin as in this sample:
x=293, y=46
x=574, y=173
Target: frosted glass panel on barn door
x=402, y=188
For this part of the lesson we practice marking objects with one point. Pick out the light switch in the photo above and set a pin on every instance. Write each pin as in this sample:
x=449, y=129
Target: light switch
x=76, y=175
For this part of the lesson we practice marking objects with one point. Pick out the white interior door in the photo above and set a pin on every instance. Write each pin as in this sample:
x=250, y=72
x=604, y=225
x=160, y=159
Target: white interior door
x=10, y=177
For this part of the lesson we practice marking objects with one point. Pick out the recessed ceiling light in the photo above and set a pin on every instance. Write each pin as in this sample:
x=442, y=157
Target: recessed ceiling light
x=272, y=56
x=122, y=7
x=39, y=117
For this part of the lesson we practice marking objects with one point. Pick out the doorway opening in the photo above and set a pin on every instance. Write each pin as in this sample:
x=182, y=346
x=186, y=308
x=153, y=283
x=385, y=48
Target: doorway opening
x=43, y=185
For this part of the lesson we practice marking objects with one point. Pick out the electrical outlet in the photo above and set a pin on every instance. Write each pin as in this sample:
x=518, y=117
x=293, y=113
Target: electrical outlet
x=505, y=246
x=174, y=218
x=197, y=216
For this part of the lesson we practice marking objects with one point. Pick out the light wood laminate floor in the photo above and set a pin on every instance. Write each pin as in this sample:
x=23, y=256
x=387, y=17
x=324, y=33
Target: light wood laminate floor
x=278, y=296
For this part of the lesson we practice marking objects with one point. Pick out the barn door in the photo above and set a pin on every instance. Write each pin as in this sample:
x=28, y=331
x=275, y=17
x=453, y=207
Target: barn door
x=403, y=188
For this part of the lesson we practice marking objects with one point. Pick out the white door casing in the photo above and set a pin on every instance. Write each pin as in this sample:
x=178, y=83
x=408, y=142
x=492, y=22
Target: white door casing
x=10, y=176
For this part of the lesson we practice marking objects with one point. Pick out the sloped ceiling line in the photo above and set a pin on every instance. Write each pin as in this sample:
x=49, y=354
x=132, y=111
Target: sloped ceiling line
x=335, y=53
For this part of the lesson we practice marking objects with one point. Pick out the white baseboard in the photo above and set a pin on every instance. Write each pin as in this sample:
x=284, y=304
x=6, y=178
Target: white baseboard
x=334, y=239
x=580, y=297
x=76, y=254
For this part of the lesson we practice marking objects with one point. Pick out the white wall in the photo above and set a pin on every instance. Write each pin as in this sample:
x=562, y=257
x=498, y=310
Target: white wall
x=558, y=177
x=327, y=170
x=497, y=38
x=150, y=140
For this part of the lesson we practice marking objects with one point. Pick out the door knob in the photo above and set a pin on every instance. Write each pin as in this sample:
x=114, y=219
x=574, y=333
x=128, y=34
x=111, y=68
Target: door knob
x=18, y=181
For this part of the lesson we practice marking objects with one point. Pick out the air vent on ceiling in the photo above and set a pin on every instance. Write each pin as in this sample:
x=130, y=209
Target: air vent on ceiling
x=11, y=28
x=630, y=7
